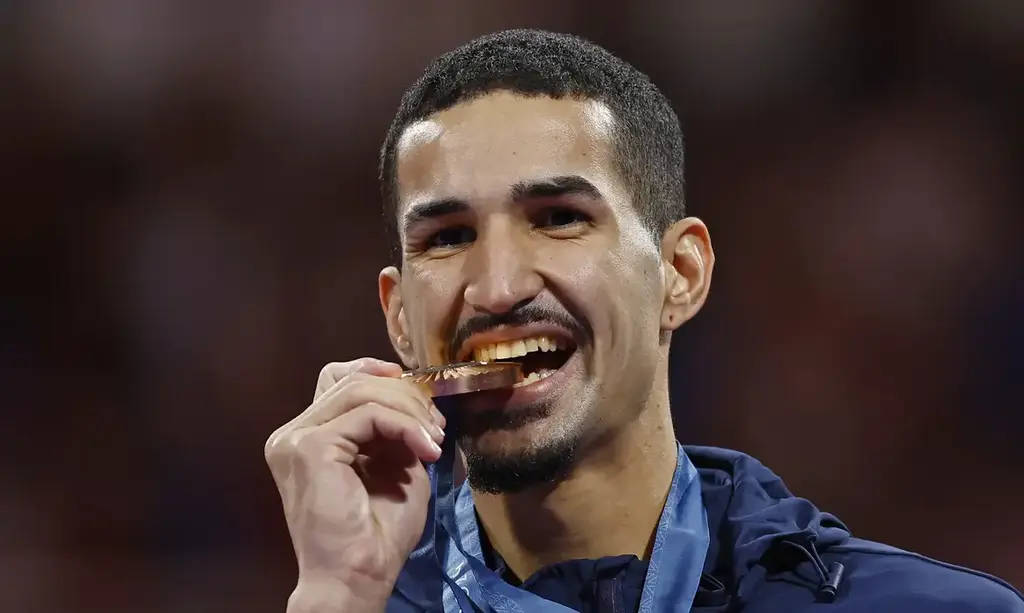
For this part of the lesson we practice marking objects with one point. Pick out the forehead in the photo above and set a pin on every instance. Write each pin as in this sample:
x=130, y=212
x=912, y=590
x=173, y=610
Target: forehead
x=476, y=150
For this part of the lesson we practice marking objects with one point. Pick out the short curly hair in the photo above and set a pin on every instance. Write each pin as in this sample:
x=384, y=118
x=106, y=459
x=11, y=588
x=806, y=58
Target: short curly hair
x=648, y=143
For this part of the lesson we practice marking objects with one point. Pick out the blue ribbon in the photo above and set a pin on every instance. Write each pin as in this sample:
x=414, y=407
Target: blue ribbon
x=446, y=572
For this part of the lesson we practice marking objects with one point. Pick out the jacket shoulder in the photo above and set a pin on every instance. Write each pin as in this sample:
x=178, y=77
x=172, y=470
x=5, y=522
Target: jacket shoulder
x=886, y=579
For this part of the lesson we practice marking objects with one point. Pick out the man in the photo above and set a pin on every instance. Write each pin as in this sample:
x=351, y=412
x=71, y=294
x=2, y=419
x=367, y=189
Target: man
x=534, y=184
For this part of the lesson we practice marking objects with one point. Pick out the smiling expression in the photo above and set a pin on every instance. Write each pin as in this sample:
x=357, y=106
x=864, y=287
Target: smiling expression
x=519, y=240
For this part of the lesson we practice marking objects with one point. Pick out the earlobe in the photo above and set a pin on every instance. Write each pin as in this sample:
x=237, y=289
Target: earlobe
x=687, y=264
x=390, y=287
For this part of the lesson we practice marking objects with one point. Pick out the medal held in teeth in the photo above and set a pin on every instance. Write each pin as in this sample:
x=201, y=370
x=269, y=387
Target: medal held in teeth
x=466, y=377
x=540, y=365
x=493, y=367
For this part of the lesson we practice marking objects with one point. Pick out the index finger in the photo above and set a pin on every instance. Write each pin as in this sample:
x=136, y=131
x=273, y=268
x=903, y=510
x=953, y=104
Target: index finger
x=336, y=371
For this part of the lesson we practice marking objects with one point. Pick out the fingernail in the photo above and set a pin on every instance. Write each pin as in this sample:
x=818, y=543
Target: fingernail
x=438, y=433
x=433, y=445
x=437, y=416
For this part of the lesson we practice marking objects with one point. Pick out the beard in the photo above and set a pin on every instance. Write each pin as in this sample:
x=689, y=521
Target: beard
x=510, y=473
x=502, y=472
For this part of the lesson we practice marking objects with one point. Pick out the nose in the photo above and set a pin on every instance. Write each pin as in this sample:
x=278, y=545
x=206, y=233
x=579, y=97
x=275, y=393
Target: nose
x=502, y=274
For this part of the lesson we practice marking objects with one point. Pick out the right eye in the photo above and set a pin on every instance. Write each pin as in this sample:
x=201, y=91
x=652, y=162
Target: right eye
x=452, y=237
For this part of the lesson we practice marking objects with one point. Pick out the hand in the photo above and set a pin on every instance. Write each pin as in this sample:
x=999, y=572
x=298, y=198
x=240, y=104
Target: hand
x=351, y=478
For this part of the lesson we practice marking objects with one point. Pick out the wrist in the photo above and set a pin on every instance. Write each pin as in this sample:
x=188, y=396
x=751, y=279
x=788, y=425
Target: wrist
x=334, y=596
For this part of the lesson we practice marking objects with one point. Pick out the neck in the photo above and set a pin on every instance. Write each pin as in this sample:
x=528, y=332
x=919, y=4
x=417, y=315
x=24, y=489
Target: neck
x=609, y=505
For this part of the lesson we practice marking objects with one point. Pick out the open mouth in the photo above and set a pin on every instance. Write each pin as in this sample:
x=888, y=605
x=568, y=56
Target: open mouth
x=540, y=356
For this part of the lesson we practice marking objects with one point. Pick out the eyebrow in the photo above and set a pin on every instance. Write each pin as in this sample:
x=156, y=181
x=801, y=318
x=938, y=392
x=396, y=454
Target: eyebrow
x=555, y=187
x=552, y=187
x=421, y=212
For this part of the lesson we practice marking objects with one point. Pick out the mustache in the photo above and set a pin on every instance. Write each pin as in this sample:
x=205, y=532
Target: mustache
x=521, y=316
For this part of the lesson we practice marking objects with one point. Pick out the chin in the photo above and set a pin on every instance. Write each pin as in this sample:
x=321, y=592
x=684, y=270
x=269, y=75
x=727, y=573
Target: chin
x=517, y=438
x=512, y=460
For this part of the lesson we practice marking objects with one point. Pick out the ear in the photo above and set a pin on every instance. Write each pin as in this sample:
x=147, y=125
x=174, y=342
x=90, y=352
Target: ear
x=687, y=262
x=389, y=284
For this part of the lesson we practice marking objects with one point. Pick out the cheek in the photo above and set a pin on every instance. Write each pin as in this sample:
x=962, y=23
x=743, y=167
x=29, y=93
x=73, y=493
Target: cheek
x=636, y=331
x=429, y=297
x=632, y=286
x=431, y=282
x=619, y=296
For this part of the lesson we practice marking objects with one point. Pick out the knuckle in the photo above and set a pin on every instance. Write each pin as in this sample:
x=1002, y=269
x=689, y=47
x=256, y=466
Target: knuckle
x=284, y=444
x=328, y=370
x=329, y=375
x=356, y=385
x=357, y=377
x=332, y=372
x=300, y=442
x=272, y=449
x=338, y=377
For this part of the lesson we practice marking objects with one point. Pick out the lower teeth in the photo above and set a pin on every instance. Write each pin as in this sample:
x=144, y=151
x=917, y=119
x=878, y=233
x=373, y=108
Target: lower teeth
x=535, y=376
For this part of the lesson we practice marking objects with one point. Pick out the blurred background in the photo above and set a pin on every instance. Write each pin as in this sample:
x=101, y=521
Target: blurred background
x=191, y=229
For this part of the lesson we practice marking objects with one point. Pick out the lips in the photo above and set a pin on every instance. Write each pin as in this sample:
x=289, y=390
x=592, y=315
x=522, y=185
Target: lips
x=541, y=349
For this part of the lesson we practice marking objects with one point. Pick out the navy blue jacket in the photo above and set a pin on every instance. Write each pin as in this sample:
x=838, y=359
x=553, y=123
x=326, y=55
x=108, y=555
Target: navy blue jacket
x=772, y=552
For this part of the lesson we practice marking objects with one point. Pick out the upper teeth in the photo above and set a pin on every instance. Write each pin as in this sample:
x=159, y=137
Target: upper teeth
x=516, y=348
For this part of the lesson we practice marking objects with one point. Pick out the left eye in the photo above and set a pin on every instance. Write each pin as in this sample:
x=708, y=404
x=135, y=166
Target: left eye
x=557, y=217
x=452, y=237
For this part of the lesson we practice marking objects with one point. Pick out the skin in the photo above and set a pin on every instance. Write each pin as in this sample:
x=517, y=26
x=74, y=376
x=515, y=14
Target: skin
x=583, y=256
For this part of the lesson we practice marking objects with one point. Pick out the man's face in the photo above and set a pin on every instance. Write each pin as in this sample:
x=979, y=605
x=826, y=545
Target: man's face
x=521, y=242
